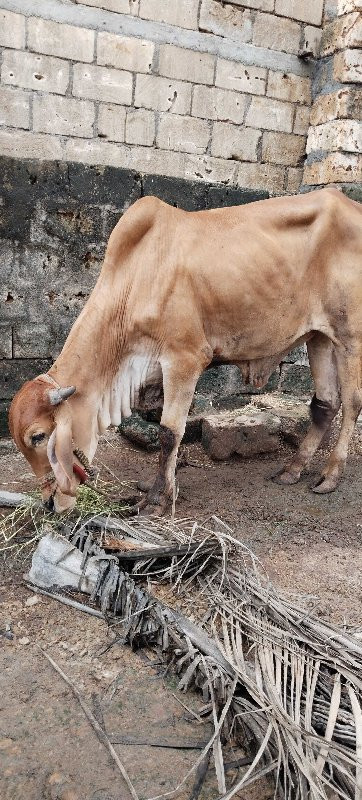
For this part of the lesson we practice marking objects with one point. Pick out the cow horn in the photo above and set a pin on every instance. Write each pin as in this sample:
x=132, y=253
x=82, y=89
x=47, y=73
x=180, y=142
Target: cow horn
x=57, y=396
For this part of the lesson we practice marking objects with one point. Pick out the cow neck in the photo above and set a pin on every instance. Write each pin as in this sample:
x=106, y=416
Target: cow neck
x=95, y=344
x=45, y=378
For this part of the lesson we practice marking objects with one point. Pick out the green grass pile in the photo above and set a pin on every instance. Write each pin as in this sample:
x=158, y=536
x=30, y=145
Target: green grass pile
x=24, y=526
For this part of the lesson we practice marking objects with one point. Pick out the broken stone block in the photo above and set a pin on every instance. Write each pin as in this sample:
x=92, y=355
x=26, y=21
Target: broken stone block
x=140, y=432
x=143, y=430
x=247, y=433
x=293, y=413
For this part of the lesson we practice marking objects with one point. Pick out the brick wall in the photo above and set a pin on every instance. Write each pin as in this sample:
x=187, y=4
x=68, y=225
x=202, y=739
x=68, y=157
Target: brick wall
x=202, y=89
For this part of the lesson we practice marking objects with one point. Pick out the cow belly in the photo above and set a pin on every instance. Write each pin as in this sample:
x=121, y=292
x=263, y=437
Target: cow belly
x=258, y=372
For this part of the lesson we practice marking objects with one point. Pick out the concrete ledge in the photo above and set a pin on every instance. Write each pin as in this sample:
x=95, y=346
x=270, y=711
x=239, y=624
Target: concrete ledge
x=100, y=20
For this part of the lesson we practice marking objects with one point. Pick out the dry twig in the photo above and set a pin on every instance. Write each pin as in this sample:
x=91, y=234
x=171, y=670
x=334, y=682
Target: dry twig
x=102, y=736
x=67, y=601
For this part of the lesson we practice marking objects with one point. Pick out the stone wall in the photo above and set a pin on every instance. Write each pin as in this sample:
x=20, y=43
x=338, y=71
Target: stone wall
x=202, y=102
x=55, y=220
x=334, y=143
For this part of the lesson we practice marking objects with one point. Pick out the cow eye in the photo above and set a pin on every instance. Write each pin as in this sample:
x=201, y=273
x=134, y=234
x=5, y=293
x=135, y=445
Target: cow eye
x=37, y=438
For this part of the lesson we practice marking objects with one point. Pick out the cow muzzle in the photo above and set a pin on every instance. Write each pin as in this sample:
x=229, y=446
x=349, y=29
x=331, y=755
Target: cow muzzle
x=54, y=501
x=63, y=502
x=59, y=498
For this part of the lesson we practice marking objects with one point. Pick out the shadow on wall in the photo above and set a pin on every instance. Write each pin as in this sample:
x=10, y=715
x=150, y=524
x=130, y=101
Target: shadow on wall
x=54, y=225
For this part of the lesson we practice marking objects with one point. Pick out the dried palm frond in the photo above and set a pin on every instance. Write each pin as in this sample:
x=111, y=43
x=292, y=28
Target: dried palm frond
x=292, y=683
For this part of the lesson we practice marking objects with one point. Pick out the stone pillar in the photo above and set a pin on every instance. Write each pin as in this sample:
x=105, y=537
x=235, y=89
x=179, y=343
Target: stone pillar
x=334, y=145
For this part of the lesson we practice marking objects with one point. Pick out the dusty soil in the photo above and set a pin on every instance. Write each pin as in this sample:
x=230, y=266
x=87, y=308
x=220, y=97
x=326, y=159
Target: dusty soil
x=309, y=544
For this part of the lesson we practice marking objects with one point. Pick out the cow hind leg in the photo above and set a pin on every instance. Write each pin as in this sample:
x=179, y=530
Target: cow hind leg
x=349, y=371
x=180, y=376
x=324, y=406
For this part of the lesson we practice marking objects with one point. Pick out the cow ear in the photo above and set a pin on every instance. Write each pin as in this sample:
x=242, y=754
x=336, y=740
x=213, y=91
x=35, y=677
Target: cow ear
x=60, y=452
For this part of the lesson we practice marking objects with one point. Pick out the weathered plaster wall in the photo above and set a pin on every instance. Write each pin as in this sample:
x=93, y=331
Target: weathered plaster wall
x=55, y=219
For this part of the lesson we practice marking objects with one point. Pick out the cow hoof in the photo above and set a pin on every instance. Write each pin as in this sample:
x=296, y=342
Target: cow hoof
x=149, y=508
x=153, y=511
x=285, y=478
x=325, y=485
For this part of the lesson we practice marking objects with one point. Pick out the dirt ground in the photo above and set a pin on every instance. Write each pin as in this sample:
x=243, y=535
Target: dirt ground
x=310, y=544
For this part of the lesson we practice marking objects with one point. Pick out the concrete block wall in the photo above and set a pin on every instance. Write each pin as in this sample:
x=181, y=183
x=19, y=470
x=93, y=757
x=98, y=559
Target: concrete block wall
x=55, y=220
x=203, y=89
x=334, y=145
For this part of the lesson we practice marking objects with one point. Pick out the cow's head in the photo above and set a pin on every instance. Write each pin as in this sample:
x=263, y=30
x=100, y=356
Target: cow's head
x=40, y=422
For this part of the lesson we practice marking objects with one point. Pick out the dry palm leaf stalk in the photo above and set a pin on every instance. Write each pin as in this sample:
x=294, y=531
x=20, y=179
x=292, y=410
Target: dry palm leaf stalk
x=291, y=684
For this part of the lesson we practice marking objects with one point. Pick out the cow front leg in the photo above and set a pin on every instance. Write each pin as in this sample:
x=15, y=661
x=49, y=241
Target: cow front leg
x=144, y=486
x=160, y=493
x=324, y=406
x=179, y=381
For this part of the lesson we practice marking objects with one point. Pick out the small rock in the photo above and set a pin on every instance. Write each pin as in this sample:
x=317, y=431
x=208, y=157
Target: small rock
x=61, y=788
x=247, y=432
x=6, y=744
x=32, y=601
x=24, y=640
x=108, y=674
x=140, y=432
x=7, y=633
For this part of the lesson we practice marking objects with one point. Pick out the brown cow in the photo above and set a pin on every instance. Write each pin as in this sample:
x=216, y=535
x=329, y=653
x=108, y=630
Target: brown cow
x=180, y=290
